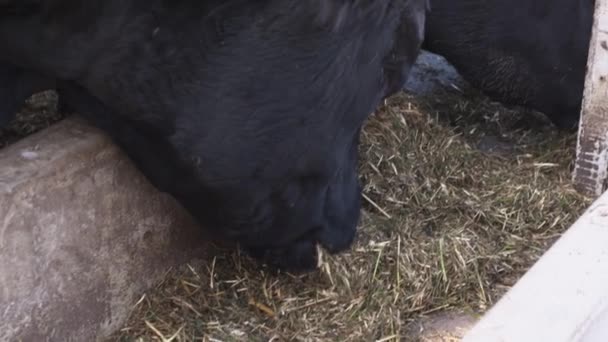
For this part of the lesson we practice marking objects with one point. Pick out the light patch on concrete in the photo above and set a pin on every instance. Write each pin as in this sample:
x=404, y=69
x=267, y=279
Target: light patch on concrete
x=29, y=155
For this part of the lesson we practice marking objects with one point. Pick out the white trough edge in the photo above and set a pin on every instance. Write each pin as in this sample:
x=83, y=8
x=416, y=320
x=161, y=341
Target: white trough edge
x=564, y=296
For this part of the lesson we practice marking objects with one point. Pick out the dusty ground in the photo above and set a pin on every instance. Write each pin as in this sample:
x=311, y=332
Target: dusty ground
x=462, y=196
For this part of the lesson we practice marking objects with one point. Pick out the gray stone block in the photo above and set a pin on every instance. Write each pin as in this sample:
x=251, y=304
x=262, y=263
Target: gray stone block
x=82, y=234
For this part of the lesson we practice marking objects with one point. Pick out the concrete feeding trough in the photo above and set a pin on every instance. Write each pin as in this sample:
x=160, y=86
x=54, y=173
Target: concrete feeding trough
x=82, y=234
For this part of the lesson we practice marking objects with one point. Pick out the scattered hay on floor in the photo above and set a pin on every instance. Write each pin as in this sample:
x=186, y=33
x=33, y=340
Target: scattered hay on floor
x=39, y=112
x=462, y=197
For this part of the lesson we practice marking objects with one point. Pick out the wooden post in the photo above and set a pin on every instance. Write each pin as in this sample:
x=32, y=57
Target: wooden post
x=591, y=169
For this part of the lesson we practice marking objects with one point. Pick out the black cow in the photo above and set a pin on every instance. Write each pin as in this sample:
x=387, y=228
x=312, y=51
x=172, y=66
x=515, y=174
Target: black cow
x=521, y=52
x=247, y=112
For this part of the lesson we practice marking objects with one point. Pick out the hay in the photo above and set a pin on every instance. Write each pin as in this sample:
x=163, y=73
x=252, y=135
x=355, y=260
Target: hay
x=462, y=197
x=39, y=112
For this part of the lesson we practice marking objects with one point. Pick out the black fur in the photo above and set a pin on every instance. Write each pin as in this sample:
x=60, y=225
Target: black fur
x=522, y=52
x=247, y=112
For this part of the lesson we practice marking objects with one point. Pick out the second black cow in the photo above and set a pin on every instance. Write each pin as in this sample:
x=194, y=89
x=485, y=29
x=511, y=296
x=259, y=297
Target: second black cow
x=522, y=52
x=247, y=112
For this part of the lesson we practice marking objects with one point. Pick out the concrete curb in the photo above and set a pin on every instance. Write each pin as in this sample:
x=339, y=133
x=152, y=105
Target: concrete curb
x=82, y=234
